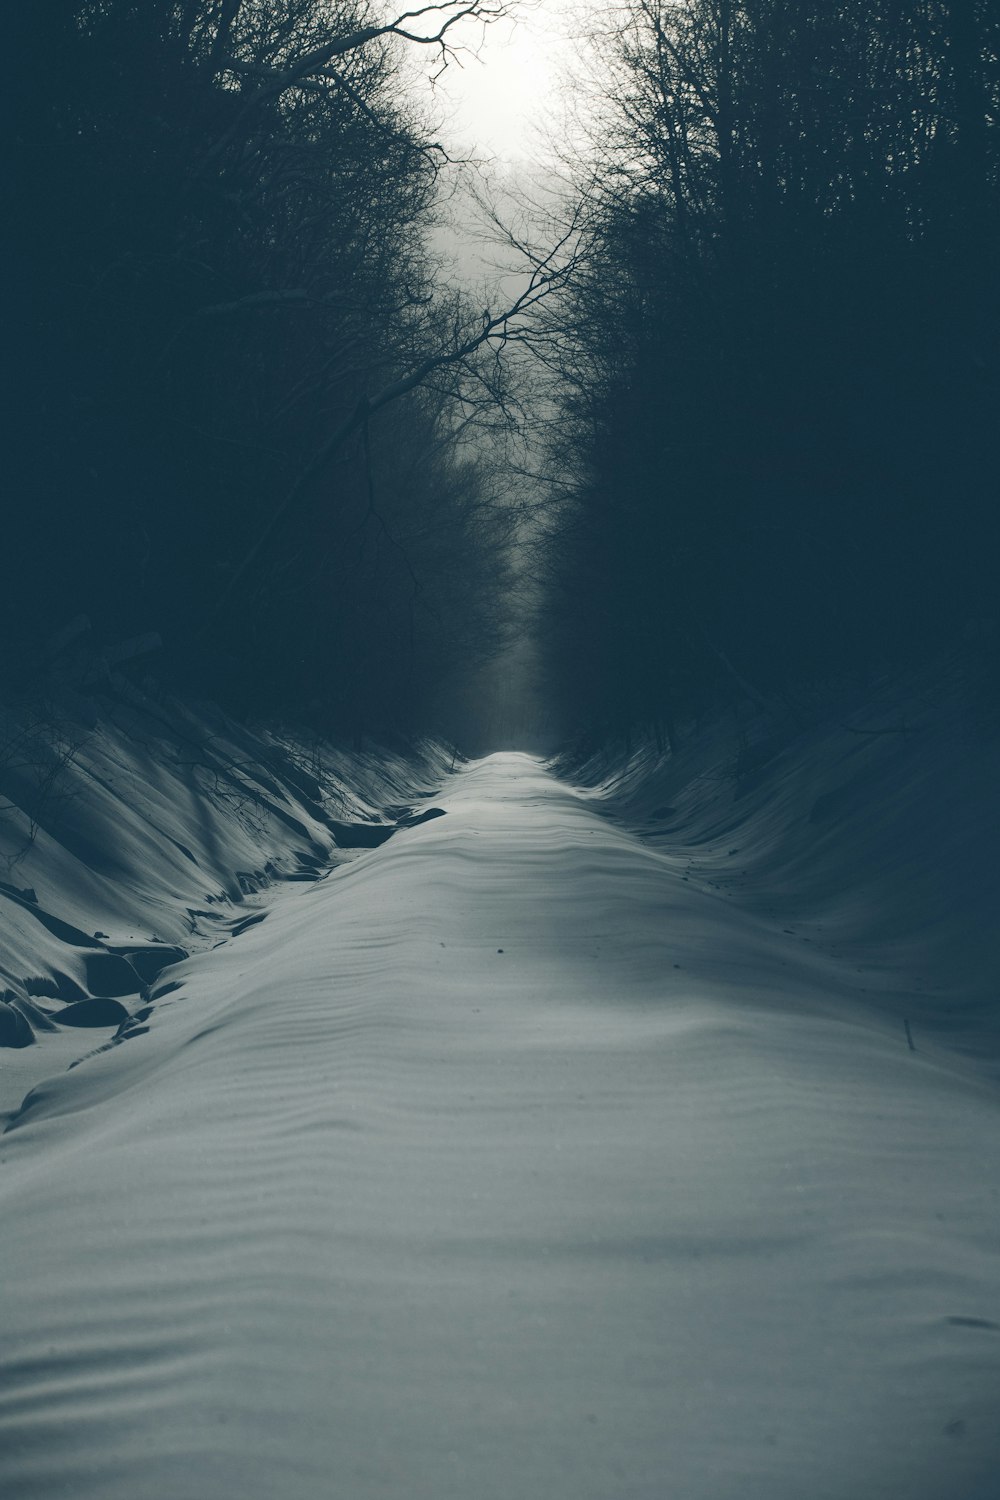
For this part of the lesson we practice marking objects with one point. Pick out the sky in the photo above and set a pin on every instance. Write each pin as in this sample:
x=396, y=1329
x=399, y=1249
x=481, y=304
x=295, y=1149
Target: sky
x=499, y=101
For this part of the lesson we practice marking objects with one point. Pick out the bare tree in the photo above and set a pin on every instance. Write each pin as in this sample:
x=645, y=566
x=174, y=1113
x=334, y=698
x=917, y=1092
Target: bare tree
x=765, y=367
x=223, y=217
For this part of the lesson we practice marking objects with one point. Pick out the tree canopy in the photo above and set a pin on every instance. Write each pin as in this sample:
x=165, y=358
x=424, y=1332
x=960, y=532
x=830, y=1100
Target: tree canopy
x=780, y=361
x=241, y=381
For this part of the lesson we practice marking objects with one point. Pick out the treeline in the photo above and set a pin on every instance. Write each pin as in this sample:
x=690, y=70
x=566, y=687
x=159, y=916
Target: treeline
x=239, y=387
x=779, y=376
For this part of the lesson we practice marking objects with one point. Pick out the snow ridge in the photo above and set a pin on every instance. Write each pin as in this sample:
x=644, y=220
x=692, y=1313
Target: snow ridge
x=516, y=1157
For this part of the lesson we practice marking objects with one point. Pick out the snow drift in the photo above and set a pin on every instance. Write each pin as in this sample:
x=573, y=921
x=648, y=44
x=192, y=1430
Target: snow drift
x=534, y=1153
x=137, y=830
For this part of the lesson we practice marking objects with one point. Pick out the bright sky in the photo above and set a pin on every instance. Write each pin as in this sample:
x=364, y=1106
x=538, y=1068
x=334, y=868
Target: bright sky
x=498, y=100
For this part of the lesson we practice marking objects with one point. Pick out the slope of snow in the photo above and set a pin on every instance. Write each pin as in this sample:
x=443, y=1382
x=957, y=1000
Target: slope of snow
x=871, y=835
x=522, y=1156
x=135, y=831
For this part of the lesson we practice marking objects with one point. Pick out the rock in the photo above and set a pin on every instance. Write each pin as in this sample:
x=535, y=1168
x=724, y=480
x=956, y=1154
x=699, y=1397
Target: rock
x=111, y=974
x=415, y=819
x=361, y=835
x=150, y=962
x=14, y=1029
x=99, y=1012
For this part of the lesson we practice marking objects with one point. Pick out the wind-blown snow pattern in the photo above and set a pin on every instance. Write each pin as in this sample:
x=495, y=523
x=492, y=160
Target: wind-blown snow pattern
x=505, y=1163
x=137, y=830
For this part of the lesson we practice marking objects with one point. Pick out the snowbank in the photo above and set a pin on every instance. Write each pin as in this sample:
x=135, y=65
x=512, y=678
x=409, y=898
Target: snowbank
x=134, y=831
x=866, y=831
x=528, y=1155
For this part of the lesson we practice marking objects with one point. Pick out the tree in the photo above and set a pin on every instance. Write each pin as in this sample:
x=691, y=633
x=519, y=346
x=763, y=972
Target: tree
x=221, y=212
x=780, y=379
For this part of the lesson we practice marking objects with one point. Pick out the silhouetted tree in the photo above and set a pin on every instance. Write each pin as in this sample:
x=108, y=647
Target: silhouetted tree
x=226, y=315
x=782, y=353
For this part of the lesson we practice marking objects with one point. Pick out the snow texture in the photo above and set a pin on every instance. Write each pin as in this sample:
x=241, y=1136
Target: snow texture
x=537, y=1152
x=134, y=832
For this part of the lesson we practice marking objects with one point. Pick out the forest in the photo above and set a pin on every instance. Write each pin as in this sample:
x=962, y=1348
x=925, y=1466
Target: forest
x=240, y=390
x=253, y=419
x=779, y=386
x=499, y=709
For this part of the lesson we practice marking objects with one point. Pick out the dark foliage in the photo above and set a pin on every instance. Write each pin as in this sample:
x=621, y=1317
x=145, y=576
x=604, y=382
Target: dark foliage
x=219, y=259
x=783, y=356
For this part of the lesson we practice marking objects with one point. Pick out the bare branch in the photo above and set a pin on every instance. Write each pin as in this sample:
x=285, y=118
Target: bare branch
x=447, y=14
x=548, y=272
x=220, y=45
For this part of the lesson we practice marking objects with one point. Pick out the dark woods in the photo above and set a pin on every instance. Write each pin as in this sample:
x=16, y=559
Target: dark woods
x=240, y=389
x=218, y=213
x=780, y=372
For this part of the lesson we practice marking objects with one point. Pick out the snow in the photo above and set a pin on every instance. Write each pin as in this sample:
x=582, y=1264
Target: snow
x=164, y=826
x=528, y=1154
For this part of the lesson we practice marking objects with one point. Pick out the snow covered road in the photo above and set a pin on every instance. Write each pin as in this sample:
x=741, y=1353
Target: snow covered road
x=504, y=1164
